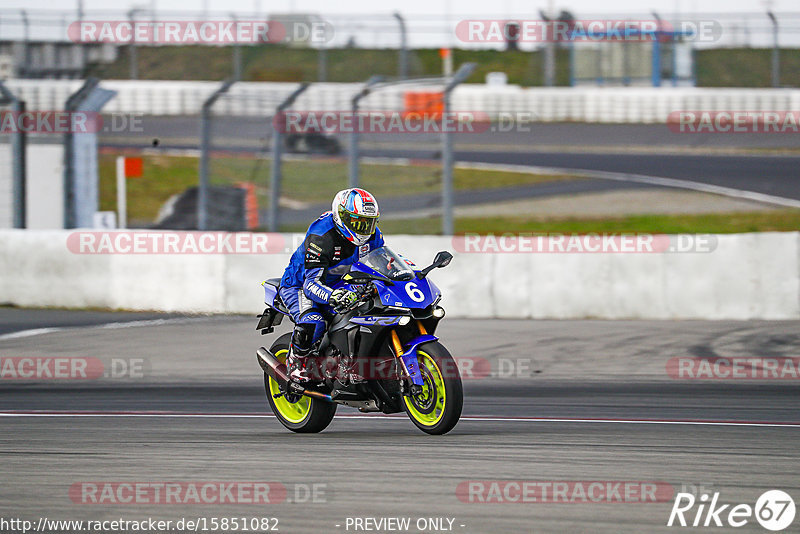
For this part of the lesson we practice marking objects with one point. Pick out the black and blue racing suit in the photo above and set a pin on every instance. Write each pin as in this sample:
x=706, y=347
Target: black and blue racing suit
x=322, y=260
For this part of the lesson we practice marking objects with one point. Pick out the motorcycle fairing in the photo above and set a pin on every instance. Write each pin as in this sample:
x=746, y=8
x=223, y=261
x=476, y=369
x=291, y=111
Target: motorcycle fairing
x=410, y=356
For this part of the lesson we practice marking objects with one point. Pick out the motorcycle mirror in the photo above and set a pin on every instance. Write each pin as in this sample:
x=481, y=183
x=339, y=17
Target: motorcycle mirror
x=442, y=259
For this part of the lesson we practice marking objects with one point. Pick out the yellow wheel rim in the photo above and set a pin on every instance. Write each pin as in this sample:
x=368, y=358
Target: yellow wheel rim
x=427, y=408
x=294, y=412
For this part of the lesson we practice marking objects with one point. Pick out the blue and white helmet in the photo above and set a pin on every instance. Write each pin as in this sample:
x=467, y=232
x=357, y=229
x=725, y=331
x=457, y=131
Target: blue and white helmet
x=355, y=213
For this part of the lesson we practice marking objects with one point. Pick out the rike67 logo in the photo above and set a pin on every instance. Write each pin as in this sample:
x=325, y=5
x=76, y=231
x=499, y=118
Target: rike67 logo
x=774, y=510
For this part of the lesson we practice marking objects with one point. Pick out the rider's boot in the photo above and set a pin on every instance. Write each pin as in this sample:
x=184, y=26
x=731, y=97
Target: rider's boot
x=297, y=365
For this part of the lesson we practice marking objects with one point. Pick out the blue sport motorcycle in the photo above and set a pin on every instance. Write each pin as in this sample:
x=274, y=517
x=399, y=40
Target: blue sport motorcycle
x=380, y=355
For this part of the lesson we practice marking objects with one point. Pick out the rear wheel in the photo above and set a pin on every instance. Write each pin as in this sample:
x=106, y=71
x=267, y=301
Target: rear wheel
x=437, y=407
x=296, y=412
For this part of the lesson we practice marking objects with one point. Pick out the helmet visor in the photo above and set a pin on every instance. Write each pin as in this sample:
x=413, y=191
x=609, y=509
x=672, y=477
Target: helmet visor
x=358, y=224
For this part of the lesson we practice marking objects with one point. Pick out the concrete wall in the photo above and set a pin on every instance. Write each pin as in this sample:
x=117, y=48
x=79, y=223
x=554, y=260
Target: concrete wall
x=582, y=104
x=746, y=276
x=45, y=186
x=45, y=175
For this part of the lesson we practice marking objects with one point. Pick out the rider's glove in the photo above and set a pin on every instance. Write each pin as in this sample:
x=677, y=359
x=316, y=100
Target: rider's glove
x=343, y=299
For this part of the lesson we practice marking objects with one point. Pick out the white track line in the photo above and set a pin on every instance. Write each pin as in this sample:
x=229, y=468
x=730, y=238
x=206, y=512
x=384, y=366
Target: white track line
x=676, y=183
x=121, y=324
x=403, y=418
x=698, y=186
x=640, y=178
x=30, y=333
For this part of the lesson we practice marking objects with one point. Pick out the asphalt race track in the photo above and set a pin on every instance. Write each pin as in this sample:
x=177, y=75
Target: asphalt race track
x=182, y=400
x=772, y=175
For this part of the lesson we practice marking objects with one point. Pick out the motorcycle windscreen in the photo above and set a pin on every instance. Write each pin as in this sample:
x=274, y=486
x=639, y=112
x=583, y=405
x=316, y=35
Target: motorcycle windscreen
x=385, y=261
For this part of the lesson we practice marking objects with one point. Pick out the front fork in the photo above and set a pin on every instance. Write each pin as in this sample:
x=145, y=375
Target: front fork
x=407, y=357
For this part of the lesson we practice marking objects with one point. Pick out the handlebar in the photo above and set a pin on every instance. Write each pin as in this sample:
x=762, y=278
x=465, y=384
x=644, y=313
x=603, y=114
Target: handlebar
x=365, y=291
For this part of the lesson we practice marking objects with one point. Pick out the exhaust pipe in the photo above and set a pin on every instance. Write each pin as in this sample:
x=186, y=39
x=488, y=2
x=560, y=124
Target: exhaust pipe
x=277, y=371
x=270, y=364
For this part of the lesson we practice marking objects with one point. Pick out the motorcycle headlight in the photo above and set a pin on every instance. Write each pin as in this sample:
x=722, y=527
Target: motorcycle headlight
x=404, y=320
x=438, y=312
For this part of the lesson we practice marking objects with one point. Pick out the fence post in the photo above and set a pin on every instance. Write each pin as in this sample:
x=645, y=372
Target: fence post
x=25, y=71
x=18, y=152
x=277, y=151
x=80, y=157
x=322, y=64
x=353, y=149
x=549, y=73
x=402, y=70
x=447, y=148
x=776, y=62
x=205, y=142
x=133, y=68
x=237, y=52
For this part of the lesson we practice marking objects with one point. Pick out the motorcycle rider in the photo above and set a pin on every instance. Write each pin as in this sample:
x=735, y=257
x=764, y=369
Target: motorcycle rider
x=336, y=240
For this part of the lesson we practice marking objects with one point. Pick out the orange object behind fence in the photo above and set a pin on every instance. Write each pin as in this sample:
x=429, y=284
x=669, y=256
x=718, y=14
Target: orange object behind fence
x=250, y=204
x=133, y=167
x=423, y=103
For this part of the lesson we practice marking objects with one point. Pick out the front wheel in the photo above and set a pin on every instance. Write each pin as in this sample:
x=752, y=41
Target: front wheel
x=296, y=412
x=437, y=408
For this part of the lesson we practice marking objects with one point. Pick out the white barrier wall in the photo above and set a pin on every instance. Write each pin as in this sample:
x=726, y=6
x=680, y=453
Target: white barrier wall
x=580, y=104
x=45, y=176
x=747, y=276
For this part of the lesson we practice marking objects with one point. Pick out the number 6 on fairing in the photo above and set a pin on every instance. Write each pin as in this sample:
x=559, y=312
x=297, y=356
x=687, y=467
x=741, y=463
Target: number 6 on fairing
x=414, y=293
